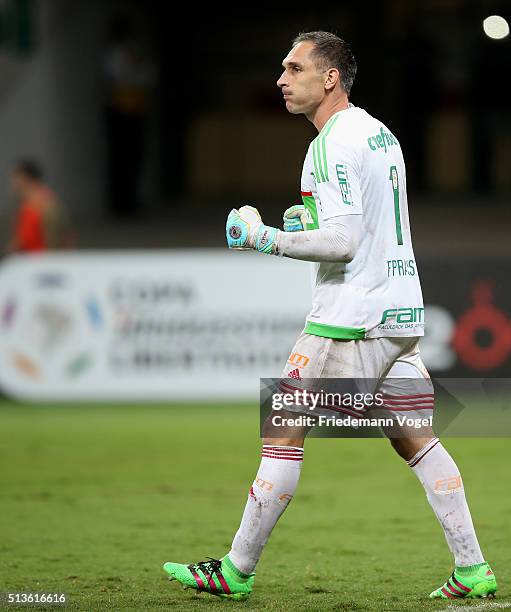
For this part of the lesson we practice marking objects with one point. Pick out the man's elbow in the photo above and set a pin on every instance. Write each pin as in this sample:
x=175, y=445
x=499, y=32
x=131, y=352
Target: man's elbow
x=349, y=257
x=347, y=252
x=352, y=249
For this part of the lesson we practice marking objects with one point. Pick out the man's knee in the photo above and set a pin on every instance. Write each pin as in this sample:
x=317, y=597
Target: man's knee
x=295, y=442
x=283, y=435
x=408, y=447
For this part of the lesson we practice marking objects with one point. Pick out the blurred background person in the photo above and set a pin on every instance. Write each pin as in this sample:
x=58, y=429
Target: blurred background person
x=41, y=221
x=129, y=76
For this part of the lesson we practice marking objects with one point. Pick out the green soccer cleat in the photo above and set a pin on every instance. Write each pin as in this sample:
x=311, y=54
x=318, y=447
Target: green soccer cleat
x=474, y=581
x=216, y=576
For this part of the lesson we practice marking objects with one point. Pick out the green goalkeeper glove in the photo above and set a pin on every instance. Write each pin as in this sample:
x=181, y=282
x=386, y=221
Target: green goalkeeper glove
x=295, y=218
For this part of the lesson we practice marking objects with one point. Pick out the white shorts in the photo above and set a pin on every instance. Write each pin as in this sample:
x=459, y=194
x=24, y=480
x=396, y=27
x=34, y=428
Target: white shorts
x=391, y=367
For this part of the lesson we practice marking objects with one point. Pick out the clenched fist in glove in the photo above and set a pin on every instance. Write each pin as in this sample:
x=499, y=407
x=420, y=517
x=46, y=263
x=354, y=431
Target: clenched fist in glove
x=246, y=230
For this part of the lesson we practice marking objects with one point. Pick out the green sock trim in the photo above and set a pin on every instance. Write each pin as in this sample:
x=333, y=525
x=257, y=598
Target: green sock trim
x=469, y=569
x=234, y=569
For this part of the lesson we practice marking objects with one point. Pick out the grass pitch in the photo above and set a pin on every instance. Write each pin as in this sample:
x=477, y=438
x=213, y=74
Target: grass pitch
x=93, y=499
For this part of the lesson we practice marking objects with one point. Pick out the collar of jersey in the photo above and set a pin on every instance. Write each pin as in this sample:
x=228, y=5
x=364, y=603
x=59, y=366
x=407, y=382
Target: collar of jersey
x=350, y=105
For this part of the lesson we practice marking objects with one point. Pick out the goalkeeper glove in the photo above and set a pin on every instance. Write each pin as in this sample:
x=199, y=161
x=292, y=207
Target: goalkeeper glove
x=295, y=219
x=246, y=230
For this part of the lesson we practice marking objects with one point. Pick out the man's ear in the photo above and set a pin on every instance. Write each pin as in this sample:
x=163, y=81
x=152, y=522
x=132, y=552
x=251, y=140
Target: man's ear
x=332, y=77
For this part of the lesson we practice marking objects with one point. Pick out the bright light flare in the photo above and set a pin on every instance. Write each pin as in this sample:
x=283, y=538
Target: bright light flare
x=495, y=27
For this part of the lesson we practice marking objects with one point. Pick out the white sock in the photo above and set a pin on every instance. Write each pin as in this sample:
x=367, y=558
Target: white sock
x=441, y=479
x=271, y=491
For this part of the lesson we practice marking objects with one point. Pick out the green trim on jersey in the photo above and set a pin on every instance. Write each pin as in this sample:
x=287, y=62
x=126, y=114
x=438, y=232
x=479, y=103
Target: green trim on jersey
x=335, y=332
x=312, y=212
x=319, y=151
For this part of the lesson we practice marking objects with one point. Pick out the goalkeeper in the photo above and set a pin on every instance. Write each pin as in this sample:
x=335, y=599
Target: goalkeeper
x=366, y=319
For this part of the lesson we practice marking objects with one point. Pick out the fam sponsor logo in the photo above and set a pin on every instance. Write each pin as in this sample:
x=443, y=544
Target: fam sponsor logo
x=263, y=484
x=344, y=184
x=402, y=316
x=448, y=485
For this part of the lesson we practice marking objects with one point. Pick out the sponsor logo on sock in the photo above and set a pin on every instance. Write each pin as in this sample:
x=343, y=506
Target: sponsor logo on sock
x=284, y=499
x=264, y=484
x=489, y=573
x=295, y=374
x=251, y=493
x=448, y=485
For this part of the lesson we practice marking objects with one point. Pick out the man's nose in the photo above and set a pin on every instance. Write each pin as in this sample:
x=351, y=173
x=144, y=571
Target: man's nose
x=281, y=82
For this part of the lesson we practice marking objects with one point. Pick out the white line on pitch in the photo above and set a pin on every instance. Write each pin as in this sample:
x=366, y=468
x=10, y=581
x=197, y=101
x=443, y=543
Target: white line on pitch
x=482, y=606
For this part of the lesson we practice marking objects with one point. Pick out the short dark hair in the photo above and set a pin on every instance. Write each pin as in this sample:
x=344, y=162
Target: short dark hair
x=30, y=168
x=330, y=51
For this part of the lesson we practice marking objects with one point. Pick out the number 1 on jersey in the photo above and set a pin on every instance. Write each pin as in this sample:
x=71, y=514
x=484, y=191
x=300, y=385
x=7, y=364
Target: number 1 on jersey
x=397, y=212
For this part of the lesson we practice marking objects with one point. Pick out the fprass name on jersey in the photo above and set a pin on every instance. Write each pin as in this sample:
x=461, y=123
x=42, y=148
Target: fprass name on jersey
x=401, y=267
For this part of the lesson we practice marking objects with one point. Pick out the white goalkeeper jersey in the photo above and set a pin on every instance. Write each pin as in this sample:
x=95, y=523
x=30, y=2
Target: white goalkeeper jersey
x=355, y=166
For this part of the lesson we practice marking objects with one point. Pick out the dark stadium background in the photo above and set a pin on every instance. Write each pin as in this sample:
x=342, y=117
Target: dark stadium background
x=216, y=134
x=91, y=494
